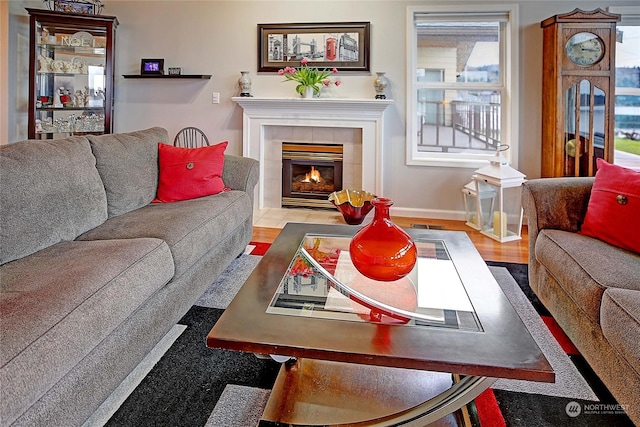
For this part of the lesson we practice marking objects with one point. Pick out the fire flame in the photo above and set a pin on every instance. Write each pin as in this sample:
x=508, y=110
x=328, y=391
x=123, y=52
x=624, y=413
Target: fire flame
x=313, y=176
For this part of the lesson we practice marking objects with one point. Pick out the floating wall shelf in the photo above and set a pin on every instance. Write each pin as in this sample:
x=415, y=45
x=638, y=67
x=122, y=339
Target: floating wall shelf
x=167, y=76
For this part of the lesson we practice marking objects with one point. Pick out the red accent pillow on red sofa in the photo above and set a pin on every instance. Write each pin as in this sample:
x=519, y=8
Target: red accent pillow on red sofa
x=188, y=173
x=614, y=207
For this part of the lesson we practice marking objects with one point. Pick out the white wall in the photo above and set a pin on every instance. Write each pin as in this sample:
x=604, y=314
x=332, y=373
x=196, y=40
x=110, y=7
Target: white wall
x=220, y=38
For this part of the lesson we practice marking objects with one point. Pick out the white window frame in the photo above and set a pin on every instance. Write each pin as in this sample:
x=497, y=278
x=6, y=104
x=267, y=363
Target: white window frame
x=629, y=15
x=509, y=93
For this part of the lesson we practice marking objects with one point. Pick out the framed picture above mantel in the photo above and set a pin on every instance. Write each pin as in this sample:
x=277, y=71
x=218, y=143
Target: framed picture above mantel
x=342, y=45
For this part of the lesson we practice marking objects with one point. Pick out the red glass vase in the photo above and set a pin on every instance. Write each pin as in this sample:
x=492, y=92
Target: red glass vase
x=381, y=250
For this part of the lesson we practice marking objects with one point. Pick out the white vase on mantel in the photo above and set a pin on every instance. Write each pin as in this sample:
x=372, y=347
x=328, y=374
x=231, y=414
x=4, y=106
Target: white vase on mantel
x=380, y=84
x=245, y=84
x=308, y=92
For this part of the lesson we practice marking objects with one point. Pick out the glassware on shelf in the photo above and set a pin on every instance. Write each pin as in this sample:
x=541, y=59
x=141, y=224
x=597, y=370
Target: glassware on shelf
x=72, y=124
x=71, y=74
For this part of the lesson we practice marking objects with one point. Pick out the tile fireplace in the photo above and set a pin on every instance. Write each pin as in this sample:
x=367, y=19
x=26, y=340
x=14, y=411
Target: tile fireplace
x=266, y=122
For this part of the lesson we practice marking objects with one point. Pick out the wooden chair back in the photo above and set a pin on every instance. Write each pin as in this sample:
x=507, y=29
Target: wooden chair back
x=190, y=137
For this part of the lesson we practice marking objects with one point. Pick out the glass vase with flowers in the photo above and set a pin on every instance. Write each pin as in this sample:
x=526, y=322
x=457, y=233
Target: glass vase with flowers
x=310, y=79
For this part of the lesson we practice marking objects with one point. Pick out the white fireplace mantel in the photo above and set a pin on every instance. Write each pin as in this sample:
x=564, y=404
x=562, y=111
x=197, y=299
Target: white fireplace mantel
x=364, y=114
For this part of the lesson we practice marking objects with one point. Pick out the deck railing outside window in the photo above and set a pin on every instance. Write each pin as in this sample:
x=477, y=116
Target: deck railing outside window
x=458, y=125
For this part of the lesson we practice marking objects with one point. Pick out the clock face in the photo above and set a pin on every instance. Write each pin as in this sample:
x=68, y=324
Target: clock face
x=584, y=49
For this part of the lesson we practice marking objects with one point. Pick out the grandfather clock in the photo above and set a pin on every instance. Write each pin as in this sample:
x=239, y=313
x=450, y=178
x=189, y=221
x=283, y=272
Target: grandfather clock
x=578, y=91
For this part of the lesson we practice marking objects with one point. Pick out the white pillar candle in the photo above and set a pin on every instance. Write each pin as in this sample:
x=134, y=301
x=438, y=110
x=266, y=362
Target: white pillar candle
x=500, y=231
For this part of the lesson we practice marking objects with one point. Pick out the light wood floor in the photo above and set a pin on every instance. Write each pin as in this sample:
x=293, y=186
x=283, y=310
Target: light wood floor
x=489, y=249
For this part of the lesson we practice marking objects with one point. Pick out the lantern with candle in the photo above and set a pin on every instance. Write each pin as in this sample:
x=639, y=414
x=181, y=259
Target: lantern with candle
x=474, y=201
x=501, y=219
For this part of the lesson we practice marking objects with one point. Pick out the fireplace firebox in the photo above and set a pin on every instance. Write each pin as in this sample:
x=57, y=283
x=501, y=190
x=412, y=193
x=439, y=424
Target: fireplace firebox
x=310, y=172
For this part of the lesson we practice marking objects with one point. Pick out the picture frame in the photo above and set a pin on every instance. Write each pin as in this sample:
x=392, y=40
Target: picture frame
x=342, y=45
x=83, y=7
x=152, y=66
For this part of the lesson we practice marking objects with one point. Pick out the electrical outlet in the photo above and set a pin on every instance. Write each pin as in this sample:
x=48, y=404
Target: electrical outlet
x=215, y=98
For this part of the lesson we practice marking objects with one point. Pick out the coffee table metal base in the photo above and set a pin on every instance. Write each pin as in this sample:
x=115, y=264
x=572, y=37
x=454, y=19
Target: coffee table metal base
x=313, y=392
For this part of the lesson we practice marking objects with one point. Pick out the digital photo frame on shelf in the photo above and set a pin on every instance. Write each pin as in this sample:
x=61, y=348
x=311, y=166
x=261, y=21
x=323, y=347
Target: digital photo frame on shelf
x=152, y=66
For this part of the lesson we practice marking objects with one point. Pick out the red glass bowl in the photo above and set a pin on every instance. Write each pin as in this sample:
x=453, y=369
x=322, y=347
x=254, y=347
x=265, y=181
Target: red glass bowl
x=354, y=205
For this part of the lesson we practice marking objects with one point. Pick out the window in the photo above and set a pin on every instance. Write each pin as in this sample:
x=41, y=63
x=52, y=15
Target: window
x=627, y=95
x=461, y=101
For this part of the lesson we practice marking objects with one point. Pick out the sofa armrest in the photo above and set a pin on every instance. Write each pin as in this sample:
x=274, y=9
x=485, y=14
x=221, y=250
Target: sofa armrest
x=557, y=203
x=240, y=173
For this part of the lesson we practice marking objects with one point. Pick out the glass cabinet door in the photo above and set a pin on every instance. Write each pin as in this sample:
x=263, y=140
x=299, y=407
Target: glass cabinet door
x=584, y=128
x=71, y=83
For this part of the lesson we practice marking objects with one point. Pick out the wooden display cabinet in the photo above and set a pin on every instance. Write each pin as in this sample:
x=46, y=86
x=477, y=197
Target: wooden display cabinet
x=71, y=74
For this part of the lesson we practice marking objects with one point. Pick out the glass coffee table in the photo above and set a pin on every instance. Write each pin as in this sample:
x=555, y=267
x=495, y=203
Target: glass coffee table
x=362, y=352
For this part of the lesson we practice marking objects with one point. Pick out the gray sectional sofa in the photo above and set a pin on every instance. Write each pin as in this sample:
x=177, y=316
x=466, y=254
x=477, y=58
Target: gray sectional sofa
x=92, y=275
x=591, y=288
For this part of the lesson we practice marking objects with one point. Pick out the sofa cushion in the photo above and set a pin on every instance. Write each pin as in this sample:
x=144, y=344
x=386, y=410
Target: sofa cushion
x=585, y=267
x=128, y=165
x=614, y=207
x=59, y=303
x=188, y=173
x=191, y=228
x=50, y=191
x=620, y=314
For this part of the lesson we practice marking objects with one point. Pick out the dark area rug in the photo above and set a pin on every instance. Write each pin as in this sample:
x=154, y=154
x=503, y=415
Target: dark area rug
x=184, y=387
x=535, y=410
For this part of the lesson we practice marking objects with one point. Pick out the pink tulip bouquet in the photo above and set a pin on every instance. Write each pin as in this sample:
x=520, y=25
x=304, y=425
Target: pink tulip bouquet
x=308, y=77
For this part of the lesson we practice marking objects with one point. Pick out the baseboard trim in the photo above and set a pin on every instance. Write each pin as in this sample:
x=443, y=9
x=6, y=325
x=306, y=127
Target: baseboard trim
x=428, y=213
x=437, y=214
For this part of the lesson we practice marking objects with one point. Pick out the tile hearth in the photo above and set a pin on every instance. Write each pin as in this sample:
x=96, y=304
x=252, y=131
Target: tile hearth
x=278, y=217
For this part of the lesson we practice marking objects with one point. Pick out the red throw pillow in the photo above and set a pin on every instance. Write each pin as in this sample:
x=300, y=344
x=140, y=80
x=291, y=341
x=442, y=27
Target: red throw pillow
x=188, y=173
x=614, y=207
